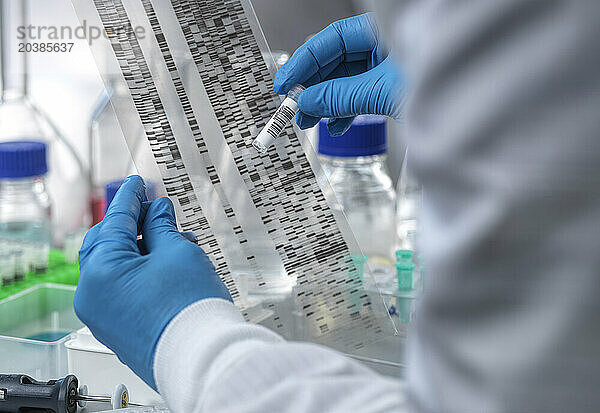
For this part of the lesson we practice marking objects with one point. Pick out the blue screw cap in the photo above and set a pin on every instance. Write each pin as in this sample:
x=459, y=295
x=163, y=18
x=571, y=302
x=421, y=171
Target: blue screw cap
x=366, y=137
x=111, y=188
x=22, y=159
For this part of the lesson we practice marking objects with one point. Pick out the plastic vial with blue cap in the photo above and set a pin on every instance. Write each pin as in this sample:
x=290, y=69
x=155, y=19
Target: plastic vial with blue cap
x=25, y=227
x=355, y=166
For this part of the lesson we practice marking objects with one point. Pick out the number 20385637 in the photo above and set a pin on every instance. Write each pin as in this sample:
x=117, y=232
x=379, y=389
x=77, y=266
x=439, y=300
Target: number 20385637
x=45, y=47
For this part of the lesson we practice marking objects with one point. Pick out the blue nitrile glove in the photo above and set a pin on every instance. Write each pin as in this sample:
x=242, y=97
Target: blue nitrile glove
x=127, y=297
x=346, y=71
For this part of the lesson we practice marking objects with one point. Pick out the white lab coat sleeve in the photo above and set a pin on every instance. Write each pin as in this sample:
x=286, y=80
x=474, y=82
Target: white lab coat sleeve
x=503, y=127
x=209, y=359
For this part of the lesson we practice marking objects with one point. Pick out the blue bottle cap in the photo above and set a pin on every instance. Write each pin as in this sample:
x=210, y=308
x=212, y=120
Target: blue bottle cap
x=112, y=187
x=22, y=159
x=366, y=137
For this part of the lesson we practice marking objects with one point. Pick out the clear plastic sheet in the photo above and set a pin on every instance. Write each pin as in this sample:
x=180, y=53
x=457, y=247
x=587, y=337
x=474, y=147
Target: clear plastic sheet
x=199, y=91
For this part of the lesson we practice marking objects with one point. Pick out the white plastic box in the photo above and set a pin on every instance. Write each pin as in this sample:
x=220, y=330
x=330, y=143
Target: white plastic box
x=34, y=325
x=100, y=369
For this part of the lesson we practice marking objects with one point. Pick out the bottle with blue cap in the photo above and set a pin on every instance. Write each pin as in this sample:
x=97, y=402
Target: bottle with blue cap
x=22, y=119
x=25, y=228
x=354, y=164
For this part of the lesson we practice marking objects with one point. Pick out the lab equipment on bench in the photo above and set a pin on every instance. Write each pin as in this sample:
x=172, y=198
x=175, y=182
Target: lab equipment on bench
x=20, y=393
x=100, y=369
x=354, y=163
x=34, y=327
x=25, y=220
x=404, y=287
x=401, y=287
x=44, y=339
x=22, y=119
x=263, y=219
x=280, y=119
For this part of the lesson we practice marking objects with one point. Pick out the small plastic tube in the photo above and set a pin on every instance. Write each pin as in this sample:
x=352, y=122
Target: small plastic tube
x=404, y=309
x=7, y=268
x=405, y=275
x=358, y=265
x=20, y=264
x=280, y=119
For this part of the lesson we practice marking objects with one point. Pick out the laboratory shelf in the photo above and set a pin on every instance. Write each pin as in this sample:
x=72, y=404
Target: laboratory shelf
x=59, y=272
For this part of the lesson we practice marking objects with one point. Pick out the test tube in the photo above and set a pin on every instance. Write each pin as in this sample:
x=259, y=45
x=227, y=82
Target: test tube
x=405, y=275
x=20, y=263
x=72, y=245
x=358, y=264
x=283, y=115
x=7, y=272
x=39, y=260
x=404, y=256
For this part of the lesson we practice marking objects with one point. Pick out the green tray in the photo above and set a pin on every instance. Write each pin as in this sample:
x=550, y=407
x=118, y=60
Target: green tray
x=59, y=272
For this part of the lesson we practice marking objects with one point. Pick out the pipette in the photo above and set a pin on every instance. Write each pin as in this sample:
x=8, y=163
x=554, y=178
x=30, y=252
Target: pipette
x=19, y=393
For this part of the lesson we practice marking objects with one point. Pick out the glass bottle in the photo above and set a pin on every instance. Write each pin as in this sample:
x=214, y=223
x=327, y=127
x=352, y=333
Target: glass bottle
x=25, y=213
x=21, y=119
x=354, y=164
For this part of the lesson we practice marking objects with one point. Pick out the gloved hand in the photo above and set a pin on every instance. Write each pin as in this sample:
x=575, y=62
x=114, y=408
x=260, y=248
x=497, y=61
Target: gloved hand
x=346, y=71
x=128, y=293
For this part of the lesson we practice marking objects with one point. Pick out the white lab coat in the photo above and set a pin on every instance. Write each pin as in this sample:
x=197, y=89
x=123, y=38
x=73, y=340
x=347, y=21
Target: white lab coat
x=210, y=360
x=503, y=122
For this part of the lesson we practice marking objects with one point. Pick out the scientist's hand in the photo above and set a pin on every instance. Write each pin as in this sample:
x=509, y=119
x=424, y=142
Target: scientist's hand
x=128, y=293
x=346, y=71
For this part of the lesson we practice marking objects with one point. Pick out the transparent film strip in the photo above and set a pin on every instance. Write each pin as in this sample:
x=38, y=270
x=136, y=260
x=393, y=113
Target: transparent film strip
x=194, y=90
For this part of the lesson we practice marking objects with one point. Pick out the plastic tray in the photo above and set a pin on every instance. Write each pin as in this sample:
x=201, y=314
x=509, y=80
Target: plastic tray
x=34, y=325
x=100, y=369
x=59, y=272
